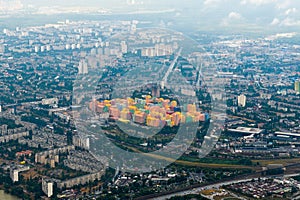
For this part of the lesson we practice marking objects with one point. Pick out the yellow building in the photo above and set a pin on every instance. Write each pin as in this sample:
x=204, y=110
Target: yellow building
x=191, y=108
x=173, y=103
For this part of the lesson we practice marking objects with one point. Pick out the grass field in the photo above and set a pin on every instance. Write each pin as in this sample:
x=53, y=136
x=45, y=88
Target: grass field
x=191, y=164
x=277, y=161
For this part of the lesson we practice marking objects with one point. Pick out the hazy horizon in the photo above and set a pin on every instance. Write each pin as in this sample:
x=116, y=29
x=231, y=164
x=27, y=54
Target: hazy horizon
x=211, y=14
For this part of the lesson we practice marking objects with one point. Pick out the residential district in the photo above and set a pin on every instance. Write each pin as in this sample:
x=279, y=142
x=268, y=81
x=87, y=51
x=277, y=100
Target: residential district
x=59, y=81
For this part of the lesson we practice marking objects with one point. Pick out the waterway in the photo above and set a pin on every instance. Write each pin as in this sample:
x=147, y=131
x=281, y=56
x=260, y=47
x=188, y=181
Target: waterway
x=4, y=196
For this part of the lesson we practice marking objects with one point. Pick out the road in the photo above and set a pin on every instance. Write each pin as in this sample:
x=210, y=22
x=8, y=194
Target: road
x=22, y=104
x=217, y=185
x=171, y=66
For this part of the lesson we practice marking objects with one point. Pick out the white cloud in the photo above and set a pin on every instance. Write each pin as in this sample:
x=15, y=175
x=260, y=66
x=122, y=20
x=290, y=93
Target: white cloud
x=284, y=4
x=275, y=22
x=234, y=15
x=232, y=18
x=6, y=5
x=281, y=35
x=290, y=22
x=257, y=2
x=290, y=11
x=279, y=4
x=211, y=2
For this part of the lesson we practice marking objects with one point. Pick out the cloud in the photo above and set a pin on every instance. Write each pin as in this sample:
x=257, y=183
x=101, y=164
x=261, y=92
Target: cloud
x=211, y=2
x=232, y=18
x=234, y=15
x=278, y=4
x=290, y=22
x=281, y=35
x=275, y=22
x=290, y=11
x=283, y=4
x=6, y=5
x=257, y=2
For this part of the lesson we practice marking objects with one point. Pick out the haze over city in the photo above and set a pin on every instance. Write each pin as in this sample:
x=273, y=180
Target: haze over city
x=149, y=99
x=218, y=14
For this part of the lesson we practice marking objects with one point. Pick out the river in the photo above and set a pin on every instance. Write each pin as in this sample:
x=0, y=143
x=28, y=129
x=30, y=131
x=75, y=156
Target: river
x=4, y=196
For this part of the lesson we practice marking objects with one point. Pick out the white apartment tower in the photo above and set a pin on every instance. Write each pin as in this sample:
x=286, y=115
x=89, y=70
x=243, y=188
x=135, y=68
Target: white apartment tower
x=242, y=99
x=47, y=187
x=124, y=47
x=83, y=67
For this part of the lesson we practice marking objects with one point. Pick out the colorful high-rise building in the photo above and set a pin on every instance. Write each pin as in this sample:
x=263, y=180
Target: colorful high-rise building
x=125, y=114
x=191, y=108
x=114, y=112
x=154, y=112
x=140, y=117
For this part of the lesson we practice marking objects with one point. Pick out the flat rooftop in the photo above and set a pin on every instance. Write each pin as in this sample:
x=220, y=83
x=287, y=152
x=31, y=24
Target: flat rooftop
x=247, y=130
x=287, y=134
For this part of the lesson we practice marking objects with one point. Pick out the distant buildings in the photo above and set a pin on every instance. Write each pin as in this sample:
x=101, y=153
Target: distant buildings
x=50, y=101
x=76, y=160
x=51, y=155
x=124, y=47
x=14, y=136
x=156, y=91
x=83, y=67
x=83, y=161
x=24, y=153
x=242, y=99
x=266, y=188
x=297, y=86
x=80, y=180
x=49, y=159
x=158, y=50
x=36, y=49
x=82, y=142
x=3, y=129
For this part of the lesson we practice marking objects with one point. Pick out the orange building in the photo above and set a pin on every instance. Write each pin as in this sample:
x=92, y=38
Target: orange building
x=92, y=105
x=151, y=121
x=114, y=112
x=175, y=118
x=174, y=104
x=24, y=153
x=99, y=108
x=140, y=117
x=202, y=117
x=125, y=114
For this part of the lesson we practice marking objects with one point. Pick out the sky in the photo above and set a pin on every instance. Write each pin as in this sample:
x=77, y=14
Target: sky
x=280, y=14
